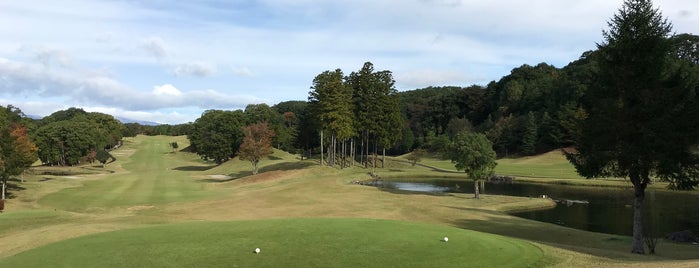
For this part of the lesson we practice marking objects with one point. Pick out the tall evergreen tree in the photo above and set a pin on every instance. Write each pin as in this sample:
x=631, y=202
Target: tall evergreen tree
x=331, y=99
x=642, y=115
x=530, y=137
x=376, y=108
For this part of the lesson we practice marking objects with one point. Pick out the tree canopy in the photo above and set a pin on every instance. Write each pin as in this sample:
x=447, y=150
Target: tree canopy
x=17, y=151
x=257, y=144
x=641, y=116
x=217, y=134
x=473, y=153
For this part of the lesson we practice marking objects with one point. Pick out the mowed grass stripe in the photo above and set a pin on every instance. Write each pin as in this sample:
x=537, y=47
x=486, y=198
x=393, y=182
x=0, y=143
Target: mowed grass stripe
x=151, y=179
x=287, y=243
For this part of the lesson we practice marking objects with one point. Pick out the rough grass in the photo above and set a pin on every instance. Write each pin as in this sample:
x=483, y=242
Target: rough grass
x=150, y=186
x=287, y=243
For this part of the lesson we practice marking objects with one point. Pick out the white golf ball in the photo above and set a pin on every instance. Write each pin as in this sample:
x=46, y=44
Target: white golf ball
x=257, y=250
x=446, y=239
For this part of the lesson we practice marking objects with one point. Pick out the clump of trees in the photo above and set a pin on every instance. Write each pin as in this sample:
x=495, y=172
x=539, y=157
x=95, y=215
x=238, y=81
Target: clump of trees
x=17, y=151
x=362, y=106
x=68, y=137
x=217, y=135
x=65, y=137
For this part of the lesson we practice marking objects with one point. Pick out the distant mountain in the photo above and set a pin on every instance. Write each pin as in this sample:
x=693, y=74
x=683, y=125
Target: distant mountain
x=123, y=120
x=127, y=121
x=35, y=117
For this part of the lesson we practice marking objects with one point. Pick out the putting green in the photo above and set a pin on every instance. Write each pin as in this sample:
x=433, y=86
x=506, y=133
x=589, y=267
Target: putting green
x=286, y=243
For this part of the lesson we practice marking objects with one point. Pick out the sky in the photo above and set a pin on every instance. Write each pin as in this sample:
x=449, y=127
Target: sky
x=168, y=61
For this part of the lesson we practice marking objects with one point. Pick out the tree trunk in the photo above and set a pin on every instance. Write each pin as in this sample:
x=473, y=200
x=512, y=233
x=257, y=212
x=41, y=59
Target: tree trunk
x=476, y=191
x=351, y=163
x=639, y=195
x=321, y=147
x=3, y=190
x=254, y=167
x=383, y=159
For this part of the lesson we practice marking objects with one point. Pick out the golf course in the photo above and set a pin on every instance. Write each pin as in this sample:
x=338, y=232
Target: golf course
x=155, y=207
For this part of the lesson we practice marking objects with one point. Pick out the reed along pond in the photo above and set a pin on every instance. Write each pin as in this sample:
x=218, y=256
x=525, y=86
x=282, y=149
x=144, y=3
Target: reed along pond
x=596, y=209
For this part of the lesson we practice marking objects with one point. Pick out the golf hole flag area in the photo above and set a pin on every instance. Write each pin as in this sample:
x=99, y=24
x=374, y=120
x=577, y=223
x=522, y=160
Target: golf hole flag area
x=286, y=243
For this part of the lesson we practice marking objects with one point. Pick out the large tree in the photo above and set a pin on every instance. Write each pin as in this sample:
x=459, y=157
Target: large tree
x=217, y=135
x=641, y=117
x=257, y=144
x=331, y=99
x=473, y=153
x=376, y=108
x=17, y=151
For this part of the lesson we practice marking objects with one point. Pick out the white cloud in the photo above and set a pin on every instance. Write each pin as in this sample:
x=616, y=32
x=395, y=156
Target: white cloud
x=32, y=79
x=425, y=78
x=194, y=69
x=166, y=89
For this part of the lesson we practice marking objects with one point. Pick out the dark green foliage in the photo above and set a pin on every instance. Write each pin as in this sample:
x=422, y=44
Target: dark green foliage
x=331, y=99
x=17, y=151
x=530, y=137
x=132, y=129
x=686, y=47
x=103, y=156
x=217, y=135
x=285, y=133
x=376, y=108
x=66, y=137
x=473, y=153
x=642, y=114
x=174, y=146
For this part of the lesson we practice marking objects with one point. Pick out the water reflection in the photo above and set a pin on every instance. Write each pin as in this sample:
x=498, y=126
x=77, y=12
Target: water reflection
x=597, y=209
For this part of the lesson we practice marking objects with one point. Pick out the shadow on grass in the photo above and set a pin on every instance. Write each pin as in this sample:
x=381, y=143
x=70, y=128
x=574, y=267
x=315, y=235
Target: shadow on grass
x=219, y=180
x=598, y=244
x=286, y=166
x=194, y=168
x=406, y=192
x=436, y=169
x=13, y=185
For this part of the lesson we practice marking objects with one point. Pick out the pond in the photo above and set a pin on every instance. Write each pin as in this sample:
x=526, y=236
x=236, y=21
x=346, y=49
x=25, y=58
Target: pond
x=596, y=209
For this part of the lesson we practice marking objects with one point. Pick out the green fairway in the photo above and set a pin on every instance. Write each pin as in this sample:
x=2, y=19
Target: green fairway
x=286, y=243
x=155, y=176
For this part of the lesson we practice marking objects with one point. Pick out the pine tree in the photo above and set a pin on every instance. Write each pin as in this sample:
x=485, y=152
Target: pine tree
x=530, y=136
x=640, y=120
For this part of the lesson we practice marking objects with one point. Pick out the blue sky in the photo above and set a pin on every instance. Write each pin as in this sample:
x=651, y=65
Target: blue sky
x=168, y=61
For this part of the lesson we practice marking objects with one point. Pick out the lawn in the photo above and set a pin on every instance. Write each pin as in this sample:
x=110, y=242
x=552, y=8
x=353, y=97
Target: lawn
x=287, y=243
x=177, y=195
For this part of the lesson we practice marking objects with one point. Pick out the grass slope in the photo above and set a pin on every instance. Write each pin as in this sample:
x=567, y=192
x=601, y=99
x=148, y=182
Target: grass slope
x=149, y=186
x=287, y=243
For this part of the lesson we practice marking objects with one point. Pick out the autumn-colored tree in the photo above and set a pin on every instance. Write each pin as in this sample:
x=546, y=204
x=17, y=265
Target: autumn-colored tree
x=17, y=151
x=257, y=143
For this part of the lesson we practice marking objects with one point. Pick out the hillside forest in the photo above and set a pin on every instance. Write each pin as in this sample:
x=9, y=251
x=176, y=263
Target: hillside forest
x=362, y=116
